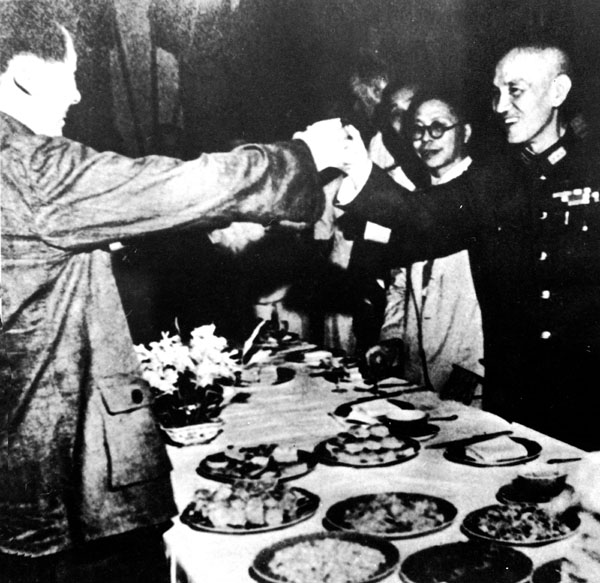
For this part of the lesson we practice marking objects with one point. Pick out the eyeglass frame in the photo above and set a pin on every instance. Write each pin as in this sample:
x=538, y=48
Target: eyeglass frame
x=428, y=130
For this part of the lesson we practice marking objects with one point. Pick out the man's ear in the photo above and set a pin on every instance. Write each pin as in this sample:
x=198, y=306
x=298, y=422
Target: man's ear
x=561, y=86
x=467, y=133
x=21, y=74
x=25, y=71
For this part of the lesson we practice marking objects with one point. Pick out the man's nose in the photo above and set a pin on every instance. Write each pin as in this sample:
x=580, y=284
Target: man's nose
x=501, y=102
x=76, y=98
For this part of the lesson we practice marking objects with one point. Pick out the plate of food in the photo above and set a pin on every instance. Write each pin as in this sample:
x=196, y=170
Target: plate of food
x=326, y=557
x=519, y=524
x=265, y=460
x=391, y=515
x=466, y=562
x=249, y=507
x=366, y=446
x=504, y=450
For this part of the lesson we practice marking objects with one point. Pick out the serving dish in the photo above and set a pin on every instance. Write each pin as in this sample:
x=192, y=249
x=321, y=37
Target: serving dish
x=466, y=562
x=391, y=515
x=366, y=446
x=519, y=524
x=459, y=454
x=326, y=557
x=249, y=508
x=265, y=460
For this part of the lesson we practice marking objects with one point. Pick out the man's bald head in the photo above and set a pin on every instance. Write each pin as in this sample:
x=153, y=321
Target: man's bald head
x=531, y=84
x=554, y=59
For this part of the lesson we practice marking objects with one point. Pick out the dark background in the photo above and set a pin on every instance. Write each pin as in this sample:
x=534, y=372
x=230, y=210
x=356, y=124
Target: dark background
x=258, y=70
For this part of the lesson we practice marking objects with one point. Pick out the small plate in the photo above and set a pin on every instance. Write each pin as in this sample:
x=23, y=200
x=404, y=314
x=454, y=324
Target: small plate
x=511, y=494
x=382, y=507
x=466, y=562
x=261, y=571
x=309, y=507
x=516, y=522
x=458, y=454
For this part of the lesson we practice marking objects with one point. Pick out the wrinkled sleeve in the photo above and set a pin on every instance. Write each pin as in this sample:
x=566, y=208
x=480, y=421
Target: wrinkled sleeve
x=85, y=198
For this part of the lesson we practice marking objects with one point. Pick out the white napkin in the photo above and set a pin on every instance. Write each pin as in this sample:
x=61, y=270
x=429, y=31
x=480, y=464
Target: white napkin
x=499, y=449
x=369, y=411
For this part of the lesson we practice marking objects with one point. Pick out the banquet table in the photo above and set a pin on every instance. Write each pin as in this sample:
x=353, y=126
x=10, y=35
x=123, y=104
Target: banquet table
x=297, y=413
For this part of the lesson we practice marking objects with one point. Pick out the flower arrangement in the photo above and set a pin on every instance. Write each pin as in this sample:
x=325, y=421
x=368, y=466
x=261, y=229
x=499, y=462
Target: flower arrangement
x=188, y=378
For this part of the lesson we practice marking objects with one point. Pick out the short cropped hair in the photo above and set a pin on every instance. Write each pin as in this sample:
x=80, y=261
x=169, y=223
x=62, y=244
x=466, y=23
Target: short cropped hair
x=28, y=28
x=554, y=51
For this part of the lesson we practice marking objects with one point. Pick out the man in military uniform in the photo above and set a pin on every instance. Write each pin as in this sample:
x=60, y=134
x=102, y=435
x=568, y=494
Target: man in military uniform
x=530, y=219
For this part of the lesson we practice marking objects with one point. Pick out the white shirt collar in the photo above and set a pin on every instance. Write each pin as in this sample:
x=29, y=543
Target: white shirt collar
x=454, y=172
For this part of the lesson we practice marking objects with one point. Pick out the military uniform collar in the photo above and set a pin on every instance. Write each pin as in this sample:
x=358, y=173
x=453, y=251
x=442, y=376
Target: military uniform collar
x=543, y=163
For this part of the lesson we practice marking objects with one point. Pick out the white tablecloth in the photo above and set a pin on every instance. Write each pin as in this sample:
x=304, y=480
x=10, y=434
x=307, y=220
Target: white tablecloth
x=297, y=412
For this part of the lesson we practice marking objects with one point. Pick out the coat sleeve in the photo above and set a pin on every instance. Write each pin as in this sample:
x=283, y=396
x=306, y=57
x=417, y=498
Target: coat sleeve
x=82, y=198
x=436, y=222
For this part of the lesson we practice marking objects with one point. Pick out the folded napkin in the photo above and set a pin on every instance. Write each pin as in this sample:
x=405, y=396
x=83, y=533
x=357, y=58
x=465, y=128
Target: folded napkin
x=499, y=449
x=369, y=411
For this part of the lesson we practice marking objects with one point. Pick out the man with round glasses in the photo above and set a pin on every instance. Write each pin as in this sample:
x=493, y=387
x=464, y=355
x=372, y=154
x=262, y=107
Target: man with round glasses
x=432, y=319
x=436, y=130
x=530, y=220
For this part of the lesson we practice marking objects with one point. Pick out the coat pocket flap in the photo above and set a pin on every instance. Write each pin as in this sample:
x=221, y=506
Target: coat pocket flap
x=122, y=393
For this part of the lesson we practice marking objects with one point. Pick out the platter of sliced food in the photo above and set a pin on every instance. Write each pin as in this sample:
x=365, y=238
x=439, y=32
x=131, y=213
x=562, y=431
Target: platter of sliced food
x=248, y=507
x=366, y=446
x=392, y=515
x=265, y=460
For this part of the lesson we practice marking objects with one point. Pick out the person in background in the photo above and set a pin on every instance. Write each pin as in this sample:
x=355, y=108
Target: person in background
x=335, y=300
x=359, y=104
x=530, y=218
x=85, y=491
x=391, y=148
x=432, y=317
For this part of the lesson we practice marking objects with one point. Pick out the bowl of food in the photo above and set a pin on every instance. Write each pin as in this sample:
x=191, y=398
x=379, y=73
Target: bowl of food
x=541, y=481
x=404, y=420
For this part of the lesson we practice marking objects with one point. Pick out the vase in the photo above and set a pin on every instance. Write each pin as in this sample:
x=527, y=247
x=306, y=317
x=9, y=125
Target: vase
x=190, y=414
x=194, y=434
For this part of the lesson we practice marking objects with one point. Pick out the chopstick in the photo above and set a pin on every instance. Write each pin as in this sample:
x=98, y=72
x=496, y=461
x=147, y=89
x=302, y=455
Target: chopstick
x=564, y=460
x=469, y=440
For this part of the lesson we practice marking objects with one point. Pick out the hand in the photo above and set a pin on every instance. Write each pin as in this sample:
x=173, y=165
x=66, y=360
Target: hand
x=237, y=236
x=382, y=358
x=355, y=155
x=327, y=142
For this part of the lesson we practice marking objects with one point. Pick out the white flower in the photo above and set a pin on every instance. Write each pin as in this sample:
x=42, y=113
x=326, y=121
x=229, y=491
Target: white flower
x=206, y=358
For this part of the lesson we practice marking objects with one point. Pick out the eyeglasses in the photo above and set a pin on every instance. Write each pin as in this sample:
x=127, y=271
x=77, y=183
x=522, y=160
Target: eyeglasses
x=435, y=130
